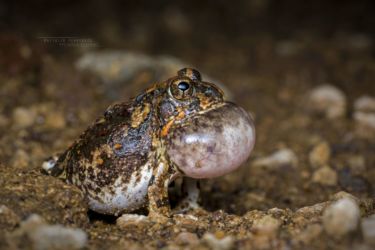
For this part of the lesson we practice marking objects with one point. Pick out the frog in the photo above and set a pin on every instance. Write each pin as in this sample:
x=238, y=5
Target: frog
x=127, y=158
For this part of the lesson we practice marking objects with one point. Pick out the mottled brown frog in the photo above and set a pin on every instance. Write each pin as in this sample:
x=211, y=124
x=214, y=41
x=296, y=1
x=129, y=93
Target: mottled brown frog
x=181, y=127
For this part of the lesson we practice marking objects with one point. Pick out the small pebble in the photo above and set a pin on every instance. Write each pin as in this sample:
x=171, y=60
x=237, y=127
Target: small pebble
x=365, y=124
x=187, y=221
x=341, y=217
x=55, y=120
x=364, y=117
x=8, y=218
x=320, y=155
x=357, y=164
x=365, y=104
x=187, y=238
x=131, y=220
x=44, y=236
x=267, y=225
x=58, y=237
x=311, y=211
x=23, y=117
x=327, y=100
x=225, y=243
x=342, y=194
x=279, y=158
x=325, y=176
x=368, y=230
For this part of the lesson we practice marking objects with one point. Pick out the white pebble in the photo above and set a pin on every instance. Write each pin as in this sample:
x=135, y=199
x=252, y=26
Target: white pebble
x=325, y=176
x=328, y=100
x=44, y=236
x=33, y=221
x=219, y=244
x=57, y=237
x=365, y=104
x=368, y=230
x=131, y=220
x=187, y=238
x=279, y=158
x=365, y=124
x=341, y=217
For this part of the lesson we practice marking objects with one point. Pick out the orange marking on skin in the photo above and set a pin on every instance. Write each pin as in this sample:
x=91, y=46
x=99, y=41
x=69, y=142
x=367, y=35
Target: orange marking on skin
x=117, y=146
x=204, y=101
x=181, y=115
x=166, y=128
x=169, y=124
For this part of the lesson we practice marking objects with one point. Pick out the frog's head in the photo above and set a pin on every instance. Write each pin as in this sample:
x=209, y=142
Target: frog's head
x=205, y=135
x=186, y=95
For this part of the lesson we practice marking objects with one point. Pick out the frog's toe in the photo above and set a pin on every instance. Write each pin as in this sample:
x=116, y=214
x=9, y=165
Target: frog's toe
x=187, y=205
x=49, y=165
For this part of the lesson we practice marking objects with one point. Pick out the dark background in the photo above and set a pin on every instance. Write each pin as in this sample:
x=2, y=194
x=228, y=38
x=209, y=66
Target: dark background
x=222, y=38
x=171, y=26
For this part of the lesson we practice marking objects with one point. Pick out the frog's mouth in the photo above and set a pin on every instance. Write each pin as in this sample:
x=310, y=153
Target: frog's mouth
x=213, y=143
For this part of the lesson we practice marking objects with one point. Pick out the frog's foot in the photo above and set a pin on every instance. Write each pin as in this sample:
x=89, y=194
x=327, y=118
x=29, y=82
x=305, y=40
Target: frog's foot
x=190, y=202
x=185, y=206
x=49, y=164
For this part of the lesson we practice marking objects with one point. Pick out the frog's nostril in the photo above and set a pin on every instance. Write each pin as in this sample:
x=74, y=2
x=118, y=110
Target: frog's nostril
x=183, y=86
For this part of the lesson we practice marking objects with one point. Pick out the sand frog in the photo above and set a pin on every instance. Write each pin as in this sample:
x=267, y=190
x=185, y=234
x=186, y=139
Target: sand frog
x=181, y=127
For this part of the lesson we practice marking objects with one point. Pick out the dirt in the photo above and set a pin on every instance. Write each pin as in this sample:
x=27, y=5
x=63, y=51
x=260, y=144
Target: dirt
x=268, y=62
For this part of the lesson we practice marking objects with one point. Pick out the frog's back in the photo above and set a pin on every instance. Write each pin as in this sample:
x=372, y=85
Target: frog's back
x=112, y=160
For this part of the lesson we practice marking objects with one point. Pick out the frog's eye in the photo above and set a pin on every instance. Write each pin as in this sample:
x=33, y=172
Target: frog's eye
x=181, y=88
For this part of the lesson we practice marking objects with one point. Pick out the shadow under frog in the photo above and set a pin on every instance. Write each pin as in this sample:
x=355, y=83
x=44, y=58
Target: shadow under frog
x=181, y=127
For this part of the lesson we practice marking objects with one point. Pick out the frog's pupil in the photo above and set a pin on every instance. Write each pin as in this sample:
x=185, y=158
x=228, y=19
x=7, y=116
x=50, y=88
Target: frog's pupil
x=183, y=86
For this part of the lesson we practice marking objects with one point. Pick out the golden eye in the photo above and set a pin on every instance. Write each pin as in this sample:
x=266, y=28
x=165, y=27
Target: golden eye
x=181, y=88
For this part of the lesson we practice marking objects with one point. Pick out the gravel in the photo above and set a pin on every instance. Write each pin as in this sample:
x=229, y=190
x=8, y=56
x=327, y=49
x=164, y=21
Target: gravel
x=341, y=217
x=325, y=176
x=368, y=229
x=327, y=100
x=43, y=236
x=320, y=155
x=279, y=158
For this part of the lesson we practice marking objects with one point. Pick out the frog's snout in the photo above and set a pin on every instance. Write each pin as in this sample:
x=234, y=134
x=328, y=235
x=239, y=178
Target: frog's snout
x=214, y=143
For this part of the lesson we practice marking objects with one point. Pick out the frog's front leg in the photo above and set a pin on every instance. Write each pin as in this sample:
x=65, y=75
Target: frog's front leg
x=158, y=190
